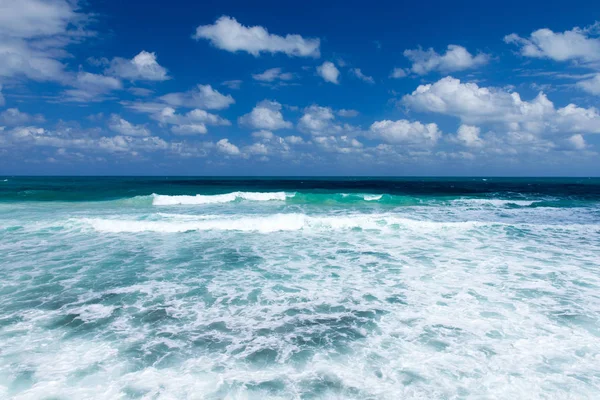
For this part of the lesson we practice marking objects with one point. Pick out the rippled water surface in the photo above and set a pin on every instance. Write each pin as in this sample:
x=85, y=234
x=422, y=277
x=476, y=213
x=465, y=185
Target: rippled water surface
x=142, y=288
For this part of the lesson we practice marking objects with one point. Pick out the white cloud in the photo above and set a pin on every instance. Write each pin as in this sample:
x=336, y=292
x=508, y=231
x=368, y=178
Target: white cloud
x=518, y=122
x=591, y=85
x=203, y=96
x=2, y=101
x=318, y=121
x=228, y=34
x=398, y=73
x=142, y=67
x=577, y=142
x=358, y=73
x=347, y=113
x=328, y=72
x=576, y=44
x=273, y=74
x=263, y=135
x=224, y=146
x=256, y=149
x=405, y=132
x=13, y=116
x=338, y=144
x=468, y=135
x=456, y=58
x=124, y=127
x=193, y=122
x=189, y=129
x=34, y=35
x=266, y=115
x=92, y=87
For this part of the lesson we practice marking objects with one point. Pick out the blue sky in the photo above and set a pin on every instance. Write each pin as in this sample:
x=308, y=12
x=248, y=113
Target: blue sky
x=321, y=88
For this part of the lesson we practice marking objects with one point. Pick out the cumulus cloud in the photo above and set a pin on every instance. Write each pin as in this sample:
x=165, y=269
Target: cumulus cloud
x=273, y=74
x=193, y=122
x=468, y=135
x=224, y=146
x=405, y=132
x=203, y=96
x=456, y=58
x=13, y=116
x=338, y=144
x=142, y=67
x=266, y=115
x=228, y=34
x=536, y=124
x=328, y=72
x=577, y=142
x=319, y=121
x=576, y=44
x=474, y=104
x=358, y=73
x=124, y=127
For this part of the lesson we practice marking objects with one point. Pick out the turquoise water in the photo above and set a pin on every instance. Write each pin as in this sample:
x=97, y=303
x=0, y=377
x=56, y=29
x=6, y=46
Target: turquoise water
x=169, y=288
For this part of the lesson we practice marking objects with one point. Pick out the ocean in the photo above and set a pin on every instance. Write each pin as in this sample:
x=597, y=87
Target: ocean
x=299, y=288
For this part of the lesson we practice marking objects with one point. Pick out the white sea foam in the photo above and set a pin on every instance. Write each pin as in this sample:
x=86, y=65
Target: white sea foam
x=372, y=197
x=494, y=202
x=165, y=200
x=270, y=223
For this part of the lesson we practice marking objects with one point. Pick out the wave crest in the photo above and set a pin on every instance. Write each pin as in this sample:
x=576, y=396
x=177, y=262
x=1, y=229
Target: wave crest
x=166, y=200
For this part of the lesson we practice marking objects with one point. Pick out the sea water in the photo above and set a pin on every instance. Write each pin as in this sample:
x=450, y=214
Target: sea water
x=232, y=288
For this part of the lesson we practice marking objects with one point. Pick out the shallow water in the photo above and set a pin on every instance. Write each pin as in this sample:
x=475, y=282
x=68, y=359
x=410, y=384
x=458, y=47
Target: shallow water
x=310, y=289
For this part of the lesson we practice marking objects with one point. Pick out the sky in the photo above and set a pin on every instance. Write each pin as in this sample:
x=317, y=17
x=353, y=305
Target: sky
x=187, y=87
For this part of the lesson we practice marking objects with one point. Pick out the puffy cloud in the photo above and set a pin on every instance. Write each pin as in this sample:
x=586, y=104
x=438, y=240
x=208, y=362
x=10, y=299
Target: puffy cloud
x=316, y=120
x=328, y=72
x=476, y=105
x=13, y=116
x=273, y=74
x=398, y=73
x=203, y=96
x=456, y=58
x=468, y=135
x=319, y=121
x=576, y=44
x=256, y=149
x=338, y=144
x=224, y=146
x=358, y=73
x=577, y=142
x=347, y=113
x=228, y=34
x=142, y=67
x=405, y=132
x=124, y=127
x=591, y=85
x=92, y=87
x=266, y=115
x=193, y=122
